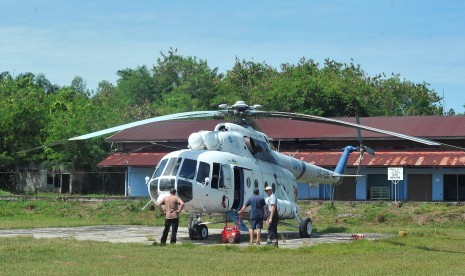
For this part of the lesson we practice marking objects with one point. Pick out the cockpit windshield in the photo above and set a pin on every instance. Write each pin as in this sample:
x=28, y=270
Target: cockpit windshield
x=188, y=169
x=172, y=166
x=160, y=168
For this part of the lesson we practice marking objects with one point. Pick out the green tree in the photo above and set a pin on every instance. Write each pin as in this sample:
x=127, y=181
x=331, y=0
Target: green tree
x=136, y=86
x=247, y=81
x=72, y=112
x=183, y=79
x=23, y=117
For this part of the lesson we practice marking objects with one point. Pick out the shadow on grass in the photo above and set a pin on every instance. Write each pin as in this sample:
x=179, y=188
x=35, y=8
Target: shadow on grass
x=426, y=248
x=422, y=247
x=333, y=230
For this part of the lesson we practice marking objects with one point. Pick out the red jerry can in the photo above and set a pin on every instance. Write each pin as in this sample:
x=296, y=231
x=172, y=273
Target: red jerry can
x=231, y=234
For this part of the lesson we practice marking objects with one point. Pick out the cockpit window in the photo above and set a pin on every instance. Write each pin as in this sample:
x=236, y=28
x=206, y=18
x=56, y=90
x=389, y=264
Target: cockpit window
x=188, y=169
x=160, y=168
x=203, y=172
x=172, y=166
x=225, y=180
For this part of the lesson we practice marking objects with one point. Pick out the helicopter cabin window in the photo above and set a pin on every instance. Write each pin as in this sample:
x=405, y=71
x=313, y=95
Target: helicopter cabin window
x=266, y=185
x=249, y=182
x=225, y=179
x=172, y=166
x=215, y=174
x=160, y=168
x=203, y=172
x=255, y=184
x=188, y=168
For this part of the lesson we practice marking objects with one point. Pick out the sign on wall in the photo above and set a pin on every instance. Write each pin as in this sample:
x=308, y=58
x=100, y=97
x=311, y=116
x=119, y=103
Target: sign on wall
x=396, y=173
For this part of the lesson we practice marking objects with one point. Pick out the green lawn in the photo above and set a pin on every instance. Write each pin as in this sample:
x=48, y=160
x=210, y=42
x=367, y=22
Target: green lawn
x=440, y=255
x=434, y=245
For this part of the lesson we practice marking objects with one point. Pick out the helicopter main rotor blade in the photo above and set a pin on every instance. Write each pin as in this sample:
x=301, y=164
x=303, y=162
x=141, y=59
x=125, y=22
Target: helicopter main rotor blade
x=43, y=146
x=177, y=116
x=313, y=118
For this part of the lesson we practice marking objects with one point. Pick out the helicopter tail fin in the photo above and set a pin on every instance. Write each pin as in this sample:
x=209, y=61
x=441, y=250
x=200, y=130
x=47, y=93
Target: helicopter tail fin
x=234, y=216
x=341, y=165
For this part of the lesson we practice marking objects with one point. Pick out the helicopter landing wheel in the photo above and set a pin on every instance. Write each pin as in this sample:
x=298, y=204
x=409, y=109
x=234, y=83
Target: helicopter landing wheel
x=305, y=228
x=202, y=232
x=192, y=234
x=192, y=228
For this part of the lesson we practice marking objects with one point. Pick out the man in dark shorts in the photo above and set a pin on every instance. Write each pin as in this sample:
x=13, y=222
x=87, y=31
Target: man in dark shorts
x=257, y=214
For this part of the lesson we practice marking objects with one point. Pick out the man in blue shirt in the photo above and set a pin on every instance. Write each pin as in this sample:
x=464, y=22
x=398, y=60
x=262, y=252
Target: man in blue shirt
x=257, y=214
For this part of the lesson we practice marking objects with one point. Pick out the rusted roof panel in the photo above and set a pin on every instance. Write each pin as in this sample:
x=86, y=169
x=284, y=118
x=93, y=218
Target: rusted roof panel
x=134, y=159
x=321, y=158
x=387, y=158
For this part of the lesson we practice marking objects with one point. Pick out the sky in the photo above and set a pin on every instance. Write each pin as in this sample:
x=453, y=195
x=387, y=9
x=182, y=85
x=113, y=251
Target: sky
x=423, y=41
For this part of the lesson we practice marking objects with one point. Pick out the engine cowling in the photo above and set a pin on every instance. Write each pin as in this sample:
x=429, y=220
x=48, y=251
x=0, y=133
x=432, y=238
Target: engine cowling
x=204, y=140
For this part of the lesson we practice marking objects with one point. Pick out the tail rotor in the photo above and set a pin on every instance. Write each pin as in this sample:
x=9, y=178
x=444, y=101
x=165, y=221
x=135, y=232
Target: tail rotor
x=362, y=148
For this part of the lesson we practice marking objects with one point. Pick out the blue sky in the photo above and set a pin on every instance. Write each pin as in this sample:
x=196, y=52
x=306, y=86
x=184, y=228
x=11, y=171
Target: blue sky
x=420, y=40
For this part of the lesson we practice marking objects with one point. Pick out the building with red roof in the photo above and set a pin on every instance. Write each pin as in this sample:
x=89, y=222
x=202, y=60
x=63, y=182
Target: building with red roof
x=429, y=173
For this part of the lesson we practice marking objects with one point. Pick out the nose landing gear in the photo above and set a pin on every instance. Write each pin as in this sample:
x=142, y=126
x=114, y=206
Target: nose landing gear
x=197, y=231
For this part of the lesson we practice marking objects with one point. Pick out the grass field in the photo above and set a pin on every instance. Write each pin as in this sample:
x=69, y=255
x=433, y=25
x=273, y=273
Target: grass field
x=434, y=245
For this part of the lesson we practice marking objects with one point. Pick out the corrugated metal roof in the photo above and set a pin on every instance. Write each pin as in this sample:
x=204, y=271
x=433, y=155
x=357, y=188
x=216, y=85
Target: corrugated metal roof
x=430, y=127
x=134, y=159
x=321, y=158
x=420, y=126
x=387, y=158
x=164, y=131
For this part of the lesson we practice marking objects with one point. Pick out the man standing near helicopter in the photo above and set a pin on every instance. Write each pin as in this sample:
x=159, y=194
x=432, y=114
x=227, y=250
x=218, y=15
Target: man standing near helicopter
x=173, y=206
x=273, y=217
x=257, y=214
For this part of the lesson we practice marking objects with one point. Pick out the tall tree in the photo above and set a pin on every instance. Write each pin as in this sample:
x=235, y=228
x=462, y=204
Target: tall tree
x=23, y=117
x=248, y=81
x=187, y=80
x=73, y=112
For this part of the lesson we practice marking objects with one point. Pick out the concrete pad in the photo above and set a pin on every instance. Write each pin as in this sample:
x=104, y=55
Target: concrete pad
x=147, y=234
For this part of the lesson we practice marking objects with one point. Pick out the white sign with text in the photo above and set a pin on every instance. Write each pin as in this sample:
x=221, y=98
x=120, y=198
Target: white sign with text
x=396, y=173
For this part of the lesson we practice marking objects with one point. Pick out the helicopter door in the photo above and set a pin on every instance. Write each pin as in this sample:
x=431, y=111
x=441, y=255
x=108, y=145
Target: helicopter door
x=238, y=188
x=222, y=179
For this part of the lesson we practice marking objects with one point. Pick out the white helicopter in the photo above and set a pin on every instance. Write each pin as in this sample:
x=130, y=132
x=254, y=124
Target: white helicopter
x=221, y=168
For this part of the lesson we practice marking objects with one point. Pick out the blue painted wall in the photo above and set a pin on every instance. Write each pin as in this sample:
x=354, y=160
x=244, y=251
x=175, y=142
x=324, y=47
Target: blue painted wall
x=438, y=187
x=136, y=181
x=361, y=188
x=307, y=192
x=401, y=190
